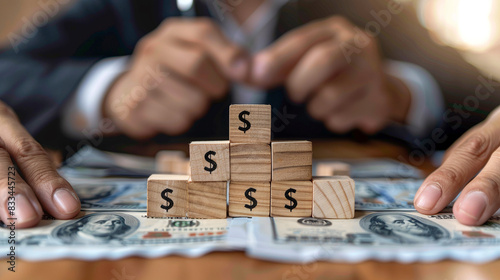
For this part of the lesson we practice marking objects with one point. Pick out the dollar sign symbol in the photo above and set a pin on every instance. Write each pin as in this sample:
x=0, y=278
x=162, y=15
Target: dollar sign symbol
x=245, y=121
x=164, y=195
x=252, y=199
x=213, y=164
x=293, y=201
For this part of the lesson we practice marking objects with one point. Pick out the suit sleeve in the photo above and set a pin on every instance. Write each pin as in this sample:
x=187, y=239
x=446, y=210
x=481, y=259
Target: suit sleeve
x=43, y=65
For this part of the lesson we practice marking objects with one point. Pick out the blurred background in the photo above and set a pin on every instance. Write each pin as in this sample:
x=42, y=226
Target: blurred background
x=471, y=26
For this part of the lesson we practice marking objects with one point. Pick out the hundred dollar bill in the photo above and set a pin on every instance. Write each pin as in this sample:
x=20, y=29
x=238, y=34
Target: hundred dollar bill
x=387, y=194
x=91, y=162
x=111, y=194
x=94, y=235
x=384, y=236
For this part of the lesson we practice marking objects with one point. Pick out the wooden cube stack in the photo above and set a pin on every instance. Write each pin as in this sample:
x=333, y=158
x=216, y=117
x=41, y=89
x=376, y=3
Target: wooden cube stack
x=265, y=178
x=250, y=138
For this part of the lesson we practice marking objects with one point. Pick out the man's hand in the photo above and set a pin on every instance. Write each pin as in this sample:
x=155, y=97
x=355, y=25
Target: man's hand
x=42, y=187
x=472, y=166
x=343, y=92
x=176, y=72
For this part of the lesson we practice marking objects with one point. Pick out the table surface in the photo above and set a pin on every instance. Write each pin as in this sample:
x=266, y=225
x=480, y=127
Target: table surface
x=236, y=265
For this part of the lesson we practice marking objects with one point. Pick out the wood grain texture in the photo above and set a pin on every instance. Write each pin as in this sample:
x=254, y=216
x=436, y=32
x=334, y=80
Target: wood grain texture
x=303, y=195
x=197, y=152
x=250, y=162
x=172, y=162
x=237, y=199
x=207, y=200
x=291, y=161
x=333, y=197
x=260, y=124
x=157, y=183
x=333, y=169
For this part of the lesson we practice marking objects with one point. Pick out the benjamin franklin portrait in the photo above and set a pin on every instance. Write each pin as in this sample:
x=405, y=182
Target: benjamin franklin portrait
x=98, y=228
x=404, y=228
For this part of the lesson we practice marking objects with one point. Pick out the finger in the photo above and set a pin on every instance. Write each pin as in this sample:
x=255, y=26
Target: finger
x=194, y=64
x=335, y=95
x=321, y=63
x=165, y=119
x=54, y=193
x=232, y=59
x=177, y=93
x=480, y=199
x=19, y=203
x=366, y=111
x=271, y=66
x=460, y=141
x=467, y=159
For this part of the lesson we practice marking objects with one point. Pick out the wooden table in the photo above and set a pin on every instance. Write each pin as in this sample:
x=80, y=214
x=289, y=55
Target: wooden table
x=236, y=265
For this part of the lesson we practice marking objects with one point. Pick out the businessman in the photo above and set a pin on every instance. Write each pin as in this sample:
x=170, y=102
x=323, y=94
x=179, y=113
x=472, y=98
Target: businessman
x=150, y=69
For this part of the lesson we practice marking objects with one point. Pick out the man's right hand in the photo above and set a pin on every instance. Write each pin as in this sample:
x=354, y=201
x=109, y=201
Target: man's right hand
x=176, y=72
x=22, y=198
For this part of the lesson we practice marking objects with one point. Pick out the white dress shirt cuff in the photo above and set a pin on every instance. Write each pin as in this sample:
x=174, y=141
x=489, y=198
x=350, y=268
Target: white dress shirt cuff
x=83, y=112
x=427, y=103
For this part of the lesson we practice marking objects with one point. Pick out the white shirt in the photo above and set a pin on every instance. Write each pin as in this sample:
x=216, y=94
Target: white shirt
x=83, y=112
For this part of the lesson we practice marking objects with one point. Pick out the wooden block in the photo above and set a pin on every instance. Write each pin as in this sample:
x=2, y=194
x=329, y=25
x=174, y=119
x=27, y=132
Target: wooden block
x=207, y=200
x=172, y=162
x=291, y=198
x=333, y=197
x=291, y=161
x=209, y=161
x=248, y=199
x=333, y=169
x=250, y=162
x=250, y=124
x=167, y=195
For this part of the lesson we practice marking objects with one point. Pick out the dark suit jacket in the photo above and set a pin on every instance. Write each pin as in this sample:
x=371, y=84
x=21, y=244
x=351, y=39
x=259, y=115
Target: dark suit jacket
x=39, y=77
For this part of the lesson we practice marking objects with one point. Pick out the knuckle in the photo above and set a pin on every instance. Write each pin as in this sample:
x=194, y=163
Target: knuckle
x=180, y=126
x=339, y=22
x=476, y=147
x=146, y=45
x=3, y=152
x=6, y=111
x=206, y=26
x=448, y=174
x=220, y=90
x=166, y=23
x=315, y=114
x=198, y=62
x=488, y=183
x=324, y=51
x=371, y=126
x=337, y=126
x=25, y=148
x=202, y=107
x=46, y=179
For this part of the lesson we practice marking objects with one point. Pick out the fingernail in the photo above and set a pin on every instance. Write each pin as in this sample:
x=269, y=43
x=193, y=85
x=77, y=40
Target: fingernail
x=474, y=204
x=66, y=201
x=429, y=197
x=240, y=68
x=24, y=211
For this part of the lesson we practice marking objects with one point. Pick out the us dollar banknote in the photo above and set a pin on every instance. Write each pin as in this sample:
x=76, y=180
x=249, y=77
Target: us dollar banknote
x=131, y=194
x=111, y=194
x=399, y=236
x=94, y=235
x=388, y=194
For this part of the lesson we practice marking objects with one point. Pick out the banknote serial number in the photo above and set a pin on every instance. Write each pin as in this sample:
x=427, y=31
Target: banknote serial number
x=11, y=225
